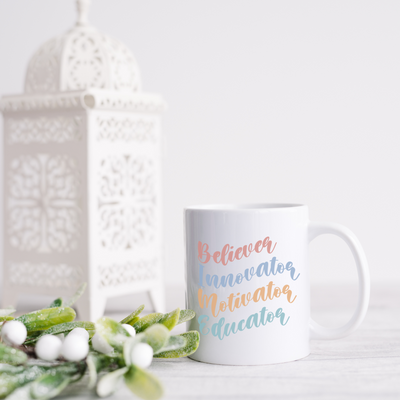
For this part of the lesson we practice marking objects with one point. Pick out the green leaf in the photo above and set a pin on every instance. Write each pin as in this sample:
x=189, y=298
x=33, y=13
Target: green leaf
x=92, y=363
x=32, y=335
x=192, y=343
x=6, y=311
x=186, y=315
x=143, y=384
x=65, y=327
x=6, y=318
x=71, y=368
x=129, y=345
x=11, y=368
x=56, y=303
x=146, y=321
x=76, y=295
x=97, y=362
x=155, y=336
x=49, y=385
x=21, y=393
x=113, y=332
x=9, y=381
x=109, y=383
x=133, y=317
x=44, y=319
x=12, y=356
x=93, y=366
x=170, y=319
x=173, y=343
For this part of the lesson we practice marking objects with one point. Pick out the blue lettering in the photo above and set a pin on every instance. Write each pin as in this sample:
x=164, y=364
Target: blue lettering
x=202, y=324
x=270, y=316
x=281, y=268
x=246, y=273
x=262, y=318
x=224, y=280
x=260, y=269
x=240, y=326
x=281, y=315
x=239, y=278
x=273, y=261
x=216, y=329
x=263, y=269
x=221, y=330
x=252, y=320
x=210, y=279
x=289, y=267
x=231, y=330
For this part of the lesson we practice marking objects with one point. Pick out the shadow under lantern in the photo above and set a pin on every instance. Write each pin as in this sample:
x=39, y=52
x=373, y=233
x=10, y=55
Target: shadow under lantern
x=82, y=175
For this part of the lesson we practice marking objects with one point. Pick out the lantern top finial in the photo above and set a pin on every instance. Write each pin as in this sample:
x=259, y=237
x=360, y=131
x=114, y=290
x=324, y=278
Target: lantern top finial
x=82, y=58
x=83, y=10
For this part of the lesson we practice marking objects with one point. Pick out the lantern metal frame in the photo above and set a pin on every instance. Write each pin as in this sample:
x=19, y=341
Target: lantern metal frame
x=82, y=173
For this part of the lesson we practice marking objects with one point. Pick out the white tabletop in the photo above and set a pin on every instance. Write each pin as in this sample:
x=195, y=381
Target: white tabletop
x=365, y=365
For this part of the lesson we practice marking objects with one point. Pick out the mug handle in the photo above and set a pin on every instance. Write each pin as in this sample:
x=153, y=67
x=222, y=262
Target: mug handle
x=319, y=228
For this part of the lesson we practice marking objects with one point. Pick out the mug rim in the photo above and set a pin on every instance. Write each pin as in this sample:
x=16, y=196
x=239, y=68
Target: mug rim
x=244, y=207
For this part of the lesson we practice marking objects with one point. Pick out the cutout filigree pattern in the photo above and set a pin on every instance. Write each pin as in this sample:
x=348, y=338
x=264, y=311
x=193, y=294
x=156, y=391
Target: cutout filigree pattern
x=41, y=102
x=102, y=100
x=59, y=129
x=116, y=101
x=124, y=177
x=125, y=76
x=126, y=202
x=84, y=62
x=126, y=227
x=43, y=74
x=125, y=129
x=82, y=58
x=123, y=274
x=44, y=215
x=45, y=275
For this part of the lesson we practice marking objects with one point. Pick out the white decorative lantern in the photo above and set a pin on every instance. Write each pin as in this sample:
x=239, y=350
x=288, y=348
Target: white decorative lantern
x=82, y=152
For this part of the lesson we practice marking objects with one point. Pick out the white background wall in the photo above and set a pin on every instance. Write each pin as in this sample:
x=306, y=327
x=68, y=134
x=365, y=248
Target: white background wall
x=269, y=101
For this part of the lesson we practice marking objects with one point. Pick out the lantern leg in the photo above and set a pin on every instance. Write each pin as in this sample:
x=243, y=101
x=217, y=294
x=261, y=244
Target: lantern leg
x=157, y=297
x=91, y=307
x=9, y=298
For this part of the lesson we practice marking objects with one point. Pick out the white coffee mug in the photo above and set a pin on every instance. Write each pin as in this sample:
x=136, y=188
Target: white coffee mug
x=248, y=281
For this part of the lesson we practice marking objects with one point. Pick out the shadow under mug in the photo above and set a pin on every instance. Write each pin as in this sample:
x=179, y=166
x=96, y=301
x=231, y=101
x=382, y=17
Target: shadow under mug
x=247, y=275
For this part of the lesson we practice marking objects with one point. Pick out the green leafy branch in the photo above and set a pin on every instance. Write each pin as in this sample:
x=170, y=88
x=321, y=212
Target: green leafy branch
x=110, y=350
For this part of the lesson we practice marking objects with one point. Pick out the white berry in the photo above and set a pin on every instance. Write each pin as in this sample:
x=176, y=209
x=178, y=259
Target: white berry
x=75, y=348
x=48, y=347
x=100, y=344
x=81, y=332
x=13, y=333
x=142, y=355
x=131, y=330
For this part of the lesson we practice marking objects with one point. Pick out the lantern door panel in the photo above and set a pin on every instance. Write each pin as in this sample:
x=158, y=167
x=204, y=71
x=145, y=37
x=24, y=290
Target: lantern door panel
x=125, y=201
x=45, y=205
